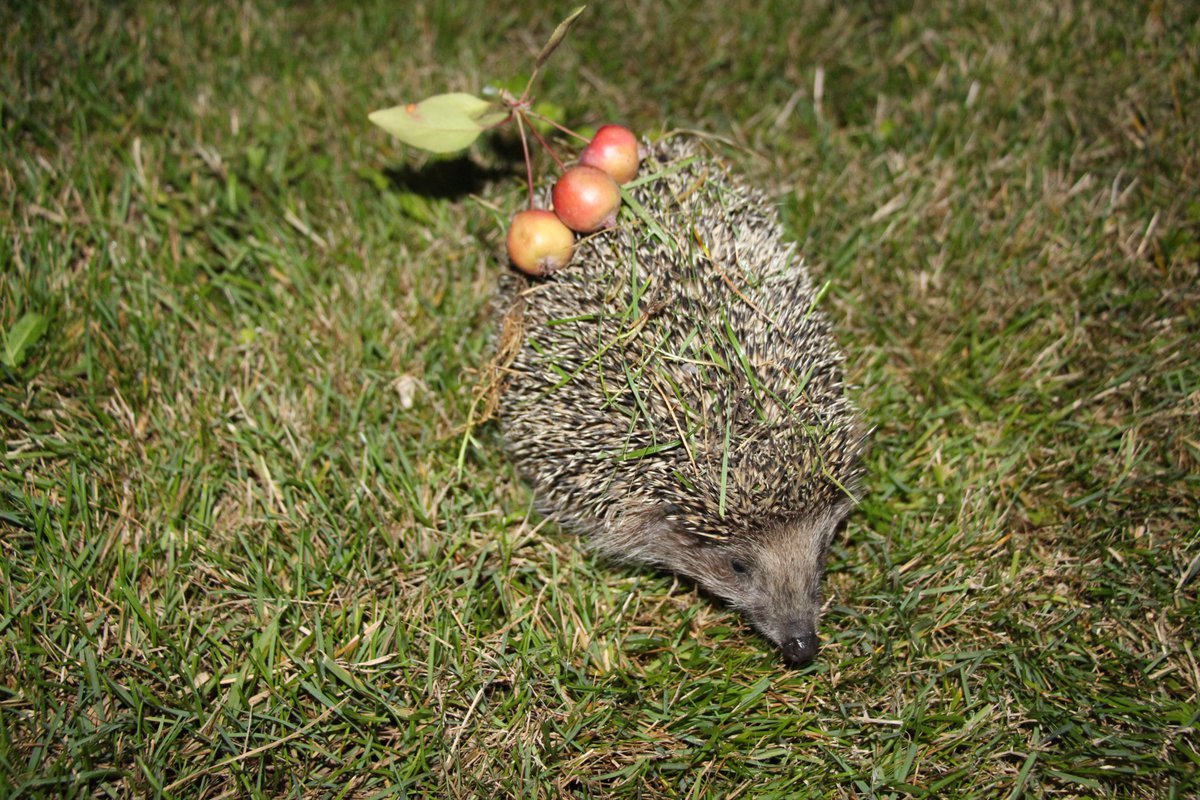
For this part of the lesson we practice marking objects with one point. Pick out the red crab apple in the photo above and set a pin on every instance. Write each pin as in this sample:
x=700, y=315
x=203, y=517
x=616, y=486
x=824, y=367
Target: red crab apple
x=586, y=199
x=538, y=243
x=613, y=149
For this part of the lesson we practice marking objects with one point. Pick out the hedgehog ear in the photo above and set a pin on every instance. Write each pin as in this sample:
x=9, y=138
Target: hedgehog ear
x=837, y=515
x=842, y=508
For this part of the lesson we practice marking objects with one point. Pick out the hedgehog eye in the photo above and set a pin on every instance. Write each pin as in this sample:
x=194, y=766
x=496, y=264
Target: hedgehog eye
x=739, y=567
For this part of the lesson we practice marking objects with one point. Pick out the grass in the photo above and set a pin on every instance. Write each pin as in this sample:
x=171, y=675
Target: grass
x=237, y=554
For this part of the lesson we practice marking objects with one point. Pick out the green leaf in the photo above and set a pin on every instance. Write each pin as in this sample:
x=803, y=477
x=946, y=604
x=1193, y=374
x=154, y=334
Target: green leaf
x=556, y=38
x=22, y=336
x=443, y=123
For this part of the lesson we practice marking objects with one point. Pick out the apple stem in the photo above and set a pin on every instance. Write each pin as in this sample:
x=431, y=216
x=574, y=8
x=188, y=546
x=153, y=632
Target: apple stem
x=544, y=144
x=563, y=128
x=532, y=77
x=528, y=163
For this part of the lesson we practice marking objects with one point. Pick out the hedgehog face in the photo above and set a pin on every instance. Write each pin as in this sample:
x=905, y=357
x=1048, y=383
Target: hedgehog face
x=774, y=579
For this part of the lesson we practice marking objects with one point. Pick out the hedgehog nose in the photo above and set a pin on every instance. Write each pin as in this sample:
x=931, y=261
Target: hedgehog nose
x=799, y=651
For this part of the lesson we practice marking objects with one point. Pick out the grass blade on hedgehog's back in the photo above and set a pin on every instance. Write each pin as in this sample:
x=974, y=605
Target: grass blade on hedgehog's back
x=683, y=481
x=725, y=464
x=639, y=211
x=817, y=295
x=634, y=376
x=551, y=364
x=756, y=388
x=678, y=166
x=834, y=480
x=631, y=382
x=637, y=289
x=650, y=450
x=617, y=457
x=550, y=323
x=715, y=358
x=684, y=436
x=567, y=377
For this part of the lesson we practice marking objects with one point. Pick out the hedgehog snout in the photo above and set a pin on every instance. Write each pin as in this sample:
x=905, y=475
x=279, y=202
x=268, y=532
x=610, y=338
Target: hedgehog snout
x=800, y=650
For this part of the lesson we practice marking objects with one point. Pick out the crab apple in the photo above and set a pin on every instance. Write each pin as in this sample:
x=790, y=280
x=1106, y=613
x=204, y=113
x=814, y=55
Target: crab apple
x=586, y=199
x=538, y=243
x=613, y=149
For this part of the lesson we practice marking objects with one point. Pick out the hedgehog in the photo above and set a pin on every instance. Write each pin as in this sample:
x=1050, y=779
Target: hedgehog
x=676, y=397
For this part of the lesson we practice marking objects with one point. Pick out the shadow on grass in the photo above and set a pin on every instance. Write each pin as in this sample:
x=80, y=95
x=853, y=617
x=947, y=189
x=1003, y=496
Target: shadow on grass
x=455, y=178
x=443, y=180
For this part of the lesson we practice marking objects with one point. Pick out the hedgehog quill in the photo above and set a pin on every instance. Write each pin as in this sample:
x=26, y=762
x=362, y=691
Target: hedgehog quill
x=678, y=398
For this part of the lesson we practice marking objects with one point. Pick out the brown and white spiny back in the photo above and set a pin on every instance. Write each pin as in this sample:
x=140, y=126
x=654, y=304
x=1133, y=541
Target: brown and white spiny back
x=679, y=398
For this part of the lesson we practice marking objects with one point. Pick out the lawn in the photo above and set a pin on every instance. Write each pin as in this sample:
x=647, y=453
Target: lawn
x=249, y=548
